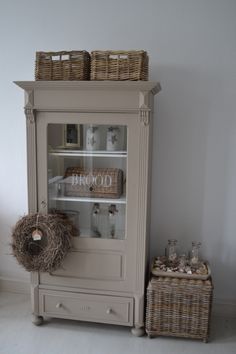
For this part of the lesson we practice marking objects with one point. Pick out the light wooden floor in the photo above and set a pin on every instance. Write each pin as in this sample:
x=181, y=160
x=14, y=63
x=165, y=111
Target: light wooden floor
x=19, y=336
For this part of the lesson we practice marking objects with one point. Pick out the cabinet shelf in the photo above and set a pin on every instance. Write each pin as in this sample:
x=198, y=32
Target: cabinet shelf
x=86, y=153
x=88, y=233
x=121, y=200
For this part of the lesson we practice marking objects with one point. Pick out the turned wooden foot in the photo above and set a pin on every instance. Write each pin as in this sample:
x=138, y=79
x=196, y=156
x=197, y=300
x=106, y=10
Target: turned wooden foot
x=37, y=320
x=138, y=332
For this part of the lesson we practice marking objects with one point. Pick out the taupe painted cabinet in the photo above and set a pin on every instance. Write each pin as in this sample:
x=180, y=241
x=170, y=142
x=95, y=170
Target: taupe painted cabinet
x=94, y=126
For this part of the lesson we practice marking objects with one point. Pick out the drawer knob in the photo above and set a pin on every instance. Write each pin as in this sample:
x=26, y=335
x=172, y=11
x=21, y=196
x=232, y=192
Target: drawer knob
x=58, y=305
x=109, y=311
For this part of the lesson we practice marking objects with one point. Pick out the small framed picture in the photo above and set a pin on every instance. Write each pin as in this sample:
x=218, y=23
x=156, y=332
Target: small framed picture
x=73, y=136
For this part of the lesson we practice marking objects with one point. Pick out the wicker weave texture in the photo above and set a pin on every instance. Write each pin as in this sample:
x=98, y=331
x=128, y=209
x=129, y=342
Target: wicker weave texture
x=63, y=65
x=119, y=65
x=97, y=183
x=179, y=307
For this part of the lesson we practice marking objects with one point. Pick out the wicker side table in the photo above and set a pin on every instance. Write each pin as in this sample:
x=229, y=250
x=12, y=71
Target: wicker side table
x=179, y=307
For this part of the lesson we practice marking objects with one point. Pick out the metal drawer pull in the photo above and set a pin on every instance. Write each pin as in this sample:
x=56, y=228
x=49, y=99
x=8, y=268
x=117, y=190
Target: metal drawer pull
x=109, y=311
x=58, y=305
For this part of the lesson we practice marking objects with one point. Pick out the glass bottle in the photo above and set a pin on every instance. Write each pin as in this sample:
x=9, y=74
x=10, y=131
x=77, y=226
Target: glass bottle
x=112, y=217
x=95, y=217
x=194, y=255
x=171, y=250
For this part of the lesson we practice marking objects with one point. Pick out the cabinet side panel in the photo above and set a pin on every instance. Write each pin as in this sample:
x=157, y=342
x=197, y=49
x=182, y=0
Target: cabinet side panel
x=143, y=195
x=31, y=160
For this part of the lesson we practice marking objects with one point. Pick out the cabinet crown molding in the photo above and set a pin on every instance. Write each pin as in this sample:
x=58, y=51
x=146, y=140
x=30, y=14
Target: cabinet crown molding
x=151, y=86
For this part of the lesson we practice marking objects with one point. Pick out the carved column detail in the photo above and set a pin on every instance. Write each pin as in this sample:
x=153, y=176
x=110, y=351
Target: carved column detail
x=144, y=107
x=29, y=107
x=30, y=117
x=144, y=115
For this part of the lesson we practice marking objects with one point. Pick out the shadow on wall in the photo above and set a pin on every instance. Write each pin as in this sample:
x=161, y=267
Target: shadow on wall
x=193, y=145
x=8, y=219
x=6, y=227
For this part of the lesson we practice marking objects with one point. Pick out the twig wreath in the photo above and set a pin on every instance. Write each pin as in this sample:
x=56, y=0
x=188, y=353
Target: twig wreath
x=40, y=242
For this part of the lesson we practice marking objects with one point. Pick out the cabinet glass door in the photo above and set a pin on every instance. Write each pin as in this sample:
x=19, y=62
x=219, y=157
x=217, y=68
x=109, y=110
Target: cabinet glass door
x=87, y=168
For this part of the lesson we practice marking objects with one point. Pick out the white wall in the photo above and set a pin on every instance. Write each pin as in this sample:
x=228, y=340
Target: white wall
x=192, y=51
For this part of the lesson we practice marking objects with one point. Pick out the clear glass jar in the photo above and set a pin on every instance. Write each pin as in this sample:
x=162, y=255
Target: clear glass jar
x=194, y=255
x=171, y=250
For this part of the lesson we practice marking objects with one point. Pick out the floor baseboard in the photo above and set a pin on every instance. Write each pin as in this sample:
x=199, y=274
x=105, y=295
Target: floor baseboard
x=14, y=286
x=221, y=307
x=224, y=308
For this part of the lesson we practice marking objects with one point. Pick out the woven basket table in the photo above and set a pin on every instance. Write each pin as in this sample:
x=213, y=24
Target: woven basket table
x=179, y=307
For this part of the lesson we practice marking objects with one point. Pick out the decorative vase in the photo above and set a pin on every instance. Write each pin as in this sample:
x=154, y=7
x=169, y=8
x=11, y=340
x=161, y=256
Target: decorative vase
x=92, y=138
x=113, y=139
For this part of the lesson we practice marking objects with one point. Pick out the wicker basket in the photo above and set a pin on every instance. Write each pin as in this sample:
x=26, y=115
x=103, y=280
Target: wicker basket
x=73, y=65
x=119, y=65
x=179, y=307
x=97, y=183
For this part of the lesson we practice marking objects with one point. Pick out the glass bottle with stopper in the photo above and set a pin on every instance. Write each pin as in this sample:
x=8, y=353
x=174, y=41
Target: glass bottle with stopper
x=182, y=262
x=95, y=219
x=112, y=217
x=171, y=250
x=194, y=255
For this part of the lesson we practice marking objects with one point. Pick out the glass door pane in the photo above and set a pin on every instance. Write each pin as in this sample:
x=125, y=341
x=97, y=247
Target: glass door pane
x=87, y=168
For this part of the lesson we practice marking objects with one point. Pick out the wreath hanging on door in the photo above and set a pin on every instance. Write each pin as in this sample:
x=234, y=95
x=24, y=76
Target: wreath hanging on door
x=40, y=242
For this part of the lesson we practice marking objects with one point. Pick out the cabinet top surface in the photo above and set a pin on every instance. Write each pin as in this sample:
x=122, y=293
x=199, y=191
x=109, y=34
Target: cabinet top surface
x=151, y=86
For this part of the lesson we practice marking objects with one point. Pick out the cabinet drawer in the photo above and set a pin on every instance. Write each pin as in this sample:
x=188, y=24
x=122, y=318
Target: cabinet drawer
x=87, y=307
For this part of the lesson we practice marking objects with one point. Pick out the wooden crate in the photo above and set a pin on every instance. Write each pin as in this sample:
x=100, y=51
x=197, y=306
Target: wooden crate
x=179, y=307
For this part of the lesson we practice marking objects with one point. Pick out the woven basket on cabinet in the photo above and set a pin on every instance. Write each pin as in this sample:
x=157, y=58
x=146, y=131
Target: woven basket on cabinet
x=63, y=65
x=119, y=65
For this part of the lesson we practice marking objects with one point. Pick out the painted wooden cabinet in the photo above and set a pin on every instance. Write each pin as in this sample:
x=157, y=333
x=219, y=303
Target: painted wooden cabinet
x=88, y=146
